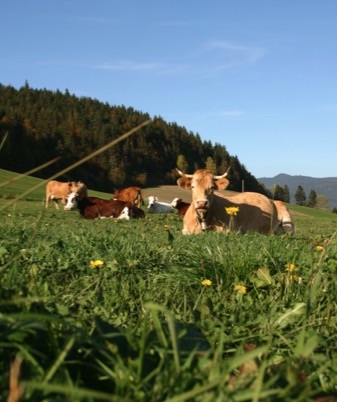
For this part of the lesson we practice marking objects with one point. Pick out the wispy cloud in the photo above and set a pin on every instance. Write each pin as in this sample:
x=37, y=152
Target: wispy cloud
x=231, y=54
x=229, y=113
x=140, y=66
x=211, y=58
x=129, y=65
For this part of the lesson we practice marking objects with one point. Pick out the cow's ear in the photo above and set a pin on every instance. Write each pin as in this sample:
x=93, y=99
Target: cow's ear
x=184, y=182
x=222, y=184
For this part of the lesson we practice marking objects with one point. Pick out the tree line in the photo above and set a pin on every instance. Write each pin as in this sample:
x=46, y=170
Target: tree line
x=312, y=201
x=43, y=124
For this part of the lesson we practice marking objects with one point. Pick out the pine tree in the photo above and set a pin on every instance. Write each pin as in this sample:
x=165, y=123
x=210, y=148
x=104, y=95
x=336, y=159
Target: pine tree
x=286, y=194
x=278, y=193
x=182, y=163
x=210, y=165
x=312, y=200
x=300, y=196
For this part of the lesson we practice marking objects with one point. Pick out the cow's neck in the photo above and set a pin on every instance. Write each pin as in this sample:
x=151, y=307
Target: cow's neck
x=202, y=219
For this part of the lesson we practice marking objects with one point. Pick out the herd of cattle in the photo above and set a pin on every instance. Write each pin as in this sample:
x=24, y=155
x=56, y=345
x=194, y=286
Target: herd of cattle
x=207, y=211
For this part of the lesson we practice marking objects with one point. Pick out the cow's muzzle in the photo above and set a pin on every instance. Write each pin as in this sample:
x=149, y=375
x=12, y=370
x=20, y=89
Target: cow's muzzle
x=201, y=204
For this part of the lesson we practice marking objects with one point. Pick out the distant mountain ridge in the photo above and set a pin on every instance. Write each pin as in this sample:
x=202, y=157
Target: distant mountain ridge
x=323, y=186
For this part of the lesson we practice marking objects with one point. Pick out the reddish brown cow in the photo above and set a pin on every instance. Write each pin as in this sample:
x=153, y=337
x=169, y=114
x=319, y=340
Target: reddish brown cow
x=93, y=207
x=57, y=190
x=130, y=194
x=255, y=212
x=181, y=206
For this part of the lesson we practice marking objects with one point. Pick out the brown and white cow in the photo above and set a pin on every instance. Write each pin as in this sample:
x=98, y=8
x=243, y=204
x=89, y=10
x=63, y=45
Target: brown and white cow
x=93, y=207
x=256, y=212
x=130, y=194
x=57, y=190
x=180, y=205
x=286, y=224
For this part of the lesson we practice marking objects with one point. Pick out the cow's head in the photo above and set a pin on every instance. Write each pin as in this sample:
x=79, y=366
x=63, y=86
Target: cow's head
x=72, y=186
x=71, y=201
x=151, y=199
x=175, y=201
x=202, y=183
x=76, y=186
x=125, y=214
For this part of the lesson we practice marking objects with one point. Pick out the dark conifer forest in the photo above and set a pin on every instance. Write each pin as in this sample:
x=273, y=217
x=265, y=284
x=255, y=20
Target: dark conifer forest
x=42, y=124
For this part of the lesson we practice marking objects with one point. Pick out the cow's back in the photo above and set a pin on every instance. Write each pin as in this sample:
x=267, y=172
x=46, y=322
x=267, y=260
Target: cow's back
x=130, y=194
x=257, y=213
x=92, y=207
x=57, y=188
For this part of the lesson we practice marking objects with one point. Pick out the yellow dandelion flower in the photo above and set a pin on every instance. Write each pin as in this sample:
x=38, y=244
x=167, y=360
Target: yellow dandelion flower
x=294, y=278
x=206, y=282
x=290, y=267
x=232, y=210
x=96, y=263
x=319, y=248
x=240, y=289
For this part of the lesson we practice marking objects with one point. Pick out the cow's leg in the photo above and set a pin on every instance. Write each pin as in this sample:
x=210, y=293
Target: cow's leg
x=55, y=202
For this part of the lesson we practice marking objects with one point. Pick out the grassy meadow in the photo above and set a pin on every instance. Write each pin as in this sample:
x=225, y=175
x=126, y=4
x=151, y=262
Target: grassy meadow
x=110, y=310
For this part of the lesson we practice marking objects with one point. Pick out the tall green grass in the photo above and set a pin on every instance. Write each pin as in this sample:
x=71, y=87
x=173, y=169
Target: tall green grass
x=144, y=326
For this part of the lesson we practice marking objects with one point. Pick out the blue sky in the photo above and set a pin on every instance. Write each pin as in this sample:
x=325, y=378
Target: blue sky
x=259, y=77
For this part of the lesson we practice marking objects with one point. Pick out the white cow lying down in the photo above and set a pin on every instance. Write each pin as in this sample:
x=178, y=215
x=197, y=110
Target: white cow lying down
x=156, y=207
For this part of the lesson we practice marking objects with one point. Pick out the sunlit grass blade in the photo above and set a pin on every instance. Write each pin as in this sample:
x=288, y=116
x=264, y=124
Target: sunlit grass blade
x=71, y=392
x=59, y=360
x=3, y=140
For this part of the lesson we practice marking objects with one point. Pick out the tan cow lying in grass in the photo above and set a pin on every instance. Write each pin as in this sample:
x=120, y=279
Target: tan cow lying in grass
x=255, y=212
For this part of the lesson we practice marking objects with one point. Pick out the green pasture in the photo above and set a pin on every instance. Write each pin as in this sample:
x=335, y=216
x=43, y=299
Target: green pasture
x=112, y=310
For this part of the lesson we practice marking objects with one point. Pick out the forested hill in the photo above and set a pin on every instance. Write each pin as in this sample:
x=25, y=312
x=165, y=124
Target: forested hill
x=42, y=124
